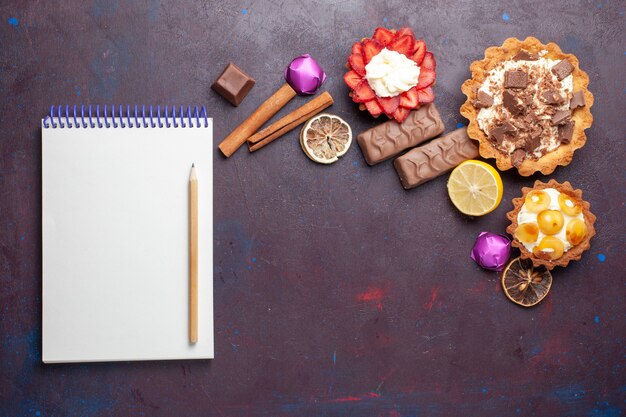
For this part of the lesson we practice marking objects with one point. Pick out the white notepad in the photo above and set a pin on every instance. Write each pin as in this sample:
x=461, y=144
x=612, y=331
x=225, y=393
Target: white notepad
x=116, y=237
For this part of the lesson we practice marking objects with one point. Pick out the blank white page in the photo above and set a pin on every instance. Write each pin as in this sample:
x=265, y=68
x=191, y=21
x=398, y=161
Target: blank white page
x=116, y=243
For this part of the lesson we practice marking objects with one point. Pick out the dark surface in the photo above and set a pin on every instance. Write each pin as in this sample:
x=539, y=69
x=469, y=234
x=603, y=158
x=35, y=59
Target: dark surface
x=336, y=291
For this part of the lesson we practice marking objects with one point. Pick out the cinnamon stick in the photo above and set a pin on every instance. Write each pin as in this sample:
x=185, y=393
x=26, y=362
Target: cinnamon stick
x=262, y=114
x=289, y=122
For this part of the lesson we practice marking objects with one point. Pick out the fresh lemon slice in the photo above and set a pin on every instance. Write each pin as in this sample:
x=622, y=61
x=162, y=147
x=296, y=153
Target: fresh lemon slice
x=475, y=188
x=325, y=137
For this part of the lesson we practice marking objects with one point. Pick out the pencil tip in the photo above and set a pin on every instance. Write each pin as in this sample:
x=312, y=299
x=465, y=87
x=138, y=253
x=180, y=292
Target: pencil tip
x=193, y=165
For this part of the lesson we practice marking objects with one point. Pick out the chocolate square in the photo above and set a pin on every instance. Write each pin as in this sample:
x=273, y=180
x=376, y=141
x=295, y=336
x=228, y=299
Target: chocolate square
x=562, y=69
x=499, y=133
x=515, y=79
x=523, y=55
x=517, y=157
x=483, y=100
x=512, y=103
x=233, y=84
x=560, y=117
x=533, y=141
x=551, y=96
x=578, y=100
x=566, y=131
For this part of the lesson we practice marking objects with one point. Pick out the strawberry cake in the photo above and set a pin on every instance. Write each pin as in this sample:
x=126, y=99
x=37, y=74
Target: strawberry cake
x=391, y=73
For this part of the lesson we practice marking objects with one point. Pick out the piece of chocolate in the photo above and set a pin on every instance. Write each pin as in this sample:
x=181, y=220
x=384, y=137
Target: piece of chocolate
x=517, y=157
x=435, y=158
x=512, y=103
x=390, y=138
x=483, y=100
x=515, y=79
x=562, y=69
x=551, y=96
x=523, y=55
x=233, y=84
x=560, y=117
x=578, y=100
x=533, y=139
x=499, y=133
x=566, y=131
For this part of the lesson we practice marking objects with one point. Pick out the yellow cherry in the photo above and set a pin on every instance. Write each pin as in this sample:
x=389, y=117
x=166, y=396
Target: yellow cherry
x=550, y=221
x=568, y=205
x=527, y=232
x=537, y=201
x=550, y=248
x=575, y=231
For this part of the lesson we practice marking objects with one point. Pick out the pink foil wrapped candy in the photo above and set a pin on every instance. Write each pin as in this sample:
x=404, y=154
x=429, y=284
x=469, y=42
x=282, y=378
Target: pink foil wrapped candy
x=491, y=251
x=304, y=75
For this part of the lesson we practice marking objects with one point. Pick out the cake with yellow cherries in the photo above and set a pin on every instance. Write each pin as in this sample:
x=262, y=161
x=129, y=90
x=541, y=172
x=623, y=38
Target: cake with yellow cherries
x=528, y=105
x=551, y=224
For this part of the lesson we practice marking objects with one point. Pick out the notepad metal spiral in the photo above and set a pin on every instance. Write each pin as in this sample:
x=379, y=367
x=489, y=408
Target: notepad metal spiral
x=135, y=117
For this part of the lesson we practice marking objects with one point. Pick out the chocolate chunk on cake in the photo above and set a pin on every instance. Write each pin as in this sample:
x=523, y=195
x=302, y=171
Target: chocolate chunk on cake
x=513, y=104
x=562, y=69
x=515, y=79
x=499, y=133
x=566, y=131
x=483, y=100
x=560, y=117
x=578, y=100
x=551, y=96
x=517, y=157
x=523, y=55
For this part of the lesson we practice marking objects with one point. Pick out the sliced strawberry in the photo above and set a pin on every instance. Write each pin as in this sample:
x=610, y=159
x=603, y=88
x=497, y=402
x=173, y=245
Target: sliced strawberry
x=389, y=104
x=371, y=48
x=426, y=78
x=404, y=31
x=363, y=92
x=429, y=61
x=374, y=108
x=403, y=45
x=419, y=50
x=352, y=79
x=357, y=64
x=409, y=99
x=357, y=48
x=384, y=36
x=401, y=114
x=426, y=95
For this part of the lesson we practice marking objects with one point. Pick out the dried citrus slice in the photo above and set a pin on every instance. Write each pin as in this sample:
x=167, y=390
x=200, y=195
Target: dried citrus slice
x=525, y=285
x=325, y=138
x=475, y=188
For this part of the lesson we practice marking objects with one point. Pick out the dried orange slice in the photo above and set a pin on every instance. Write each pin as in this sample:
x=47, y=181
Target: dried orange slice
x=325, y=137
x=525, y=285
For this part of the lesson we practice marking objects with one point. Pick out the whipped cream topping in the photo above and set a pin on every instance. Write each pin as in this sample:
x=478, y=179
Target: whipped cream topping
x=525, y=216
x=539, y=72
x=391, y=73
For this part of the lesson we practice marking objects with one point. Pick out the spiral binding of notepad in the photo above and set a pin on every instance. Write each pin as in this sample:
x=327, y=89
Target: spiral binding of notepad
x=133, y=117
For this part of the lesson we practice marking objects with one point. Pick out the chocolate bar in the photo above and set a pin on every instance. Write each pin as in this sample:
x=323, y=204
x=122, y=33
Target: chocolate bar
x=233, y=84
x=390, y=138
x=435, y=158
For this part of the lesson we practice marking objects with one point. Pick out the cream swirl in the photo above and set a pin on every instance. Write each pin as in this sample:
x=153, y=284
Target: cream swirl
x=390, y=73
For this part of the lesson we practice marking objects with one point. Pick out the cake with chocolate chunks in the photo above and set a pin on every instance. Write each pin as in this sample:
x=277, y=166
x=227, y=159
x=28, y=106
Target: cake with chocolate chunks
x=528, y=105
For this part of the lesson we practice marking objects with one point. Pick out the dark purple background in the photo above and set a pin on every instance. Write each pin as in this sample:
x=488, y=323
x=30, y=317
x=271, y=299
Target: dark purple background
x=336, y=292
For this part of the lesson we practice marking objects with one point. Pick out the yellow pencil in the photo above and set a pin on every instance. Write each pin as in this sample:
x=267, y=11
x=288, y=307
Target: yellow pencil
x=193, y=255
